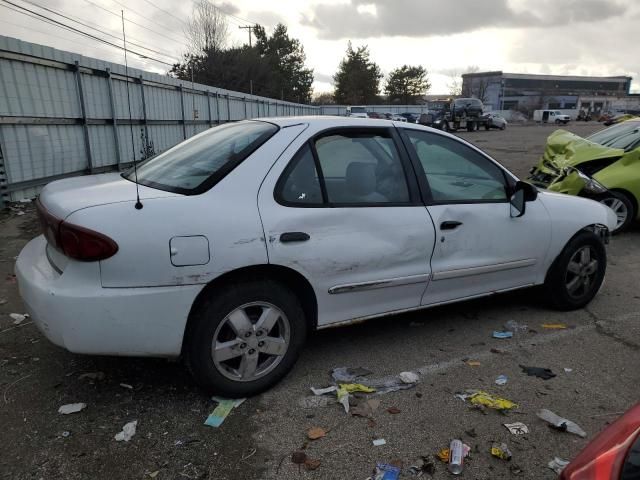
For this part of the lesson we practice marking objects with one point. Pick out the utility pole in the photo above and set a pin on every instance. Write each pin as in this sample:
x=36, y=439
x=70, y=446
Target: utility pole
x=250, y=28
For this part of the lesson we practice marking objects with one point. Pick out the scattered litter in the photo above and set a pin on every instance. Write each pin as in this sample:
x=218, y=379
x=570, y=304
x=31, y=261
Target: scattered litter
x=568, y=370
x=18, y=318
x=516, y=327
x=221, y=411
x=424, y=465
x=497, y=334
x=500, y=450
x=558, y=423
x=393, y=410
x=346, y=374
x=311, y=464
x=517, y=428
x=315, y=401
x=354, y=387
x=126, y=385
x=557, y=465
x=554, y=326
x=315, y=433
x=379, y=442
x=499, y=351
x=472, y=433
x=385, y=471
x=153, y=474
x=72, y=408
x=473, y=363
x=501, y=380
x=543, y=373
x=250, y=454
x=92, y=376
x=323, y=391
x=298, y=457
x=127, y=433
x=409, y=377
x=65, y=434
x=479, y=397
x=366, y=409
x=456, y=455
x=443, y=455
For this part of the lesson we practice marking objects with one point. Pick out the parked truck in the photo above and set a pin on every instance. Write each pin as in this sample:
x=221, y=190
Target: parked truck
x=454, y=114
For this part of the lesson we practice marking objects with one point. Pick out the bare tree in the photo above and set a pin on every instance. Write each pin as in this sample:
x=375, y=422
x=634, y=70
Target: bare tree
x=454, y=84
x=207, y=30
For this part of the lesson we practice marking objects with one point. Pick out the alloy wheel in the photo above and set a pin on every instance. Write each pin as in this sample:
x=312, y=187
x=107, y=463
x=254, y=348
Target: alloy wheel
x=250, y=341
x=619, y=208
x=581, y=272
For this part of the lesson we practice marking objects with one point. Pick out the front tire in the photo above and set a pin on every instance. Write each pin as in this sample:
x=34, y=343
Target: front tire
x=245, y=338
x=624, y=209
x=577, y=274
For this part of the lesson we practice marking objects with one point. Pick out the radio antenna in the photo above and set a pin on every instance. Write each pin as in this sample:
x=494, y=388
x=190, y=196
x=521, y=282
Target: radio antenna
x=133, y=145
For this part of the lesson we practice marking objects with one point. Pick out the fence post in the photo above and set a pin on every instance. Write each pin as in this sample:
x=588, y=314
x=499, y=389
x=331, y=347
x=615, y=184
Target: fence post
x=3, y=180
x=218, y=108
x=209, y=107
x=184, y=123
x=114, y=117
x=83, y=110
x=244, y=101
x=228, y=108
x=144, y=115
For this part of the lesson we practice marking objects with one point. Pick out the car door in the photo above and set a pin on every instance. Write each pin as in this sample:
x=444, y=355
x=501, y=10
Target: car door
x=480, y=248
x=343, y=209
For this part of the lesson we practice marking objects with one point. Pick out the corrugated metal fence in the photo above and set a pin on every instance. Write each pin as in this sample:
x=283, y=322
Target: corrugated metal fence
x=64, y=114
x=342, y=109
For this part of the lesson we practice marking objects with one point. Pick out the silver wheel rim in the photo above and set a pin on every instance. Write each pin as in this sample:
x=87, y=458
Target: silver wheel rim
x=581, y=272
x=619, y=208
x=250, y=341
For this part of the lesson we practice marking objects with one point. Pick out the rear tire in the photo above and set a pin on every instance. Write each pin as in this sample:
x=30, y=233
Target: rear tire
x=503, y=127
x=577, y=274
x=623, y=207
x=245, y=338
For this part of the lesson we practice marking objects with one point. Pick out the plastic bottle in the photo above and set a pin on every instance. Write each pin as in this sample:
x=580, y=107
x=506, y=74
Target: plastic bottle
x=455, y=457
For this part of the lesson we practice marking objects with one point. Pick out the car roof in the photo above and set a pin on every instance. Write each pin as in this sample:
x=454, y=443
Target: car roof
x=328, y=121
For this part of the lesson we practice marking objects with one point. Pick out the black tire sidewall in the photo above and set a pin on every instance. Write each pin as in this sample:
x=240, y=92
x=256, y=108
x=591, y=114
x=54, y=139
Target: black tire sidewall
x=555, y=285
x=208, y=315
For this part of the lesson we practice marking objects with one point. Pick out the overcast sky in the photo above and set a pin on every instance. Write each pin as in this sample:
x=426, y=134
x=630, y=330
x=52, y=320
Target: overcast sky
x=573, y=37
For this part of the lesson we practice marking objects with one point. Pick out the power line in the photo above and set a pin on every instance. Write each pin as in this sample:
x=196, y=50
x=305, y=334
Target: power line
x=98, y=30
x=165, y=11
x=164, y=27
x=163, y=35
x=81, y=32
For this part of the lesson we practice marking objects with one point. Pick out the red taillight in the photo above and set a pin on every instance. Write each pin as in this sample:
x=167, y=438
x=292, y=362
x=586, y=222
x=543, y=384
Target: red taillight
x=604, y=457
x=74, y=241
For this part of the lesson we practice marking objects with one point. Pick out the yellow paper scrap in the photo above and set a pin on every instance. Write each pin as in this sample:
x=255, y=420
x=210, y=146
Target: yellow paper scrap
x=554, y=326
x=443, y=455
x=491, y=401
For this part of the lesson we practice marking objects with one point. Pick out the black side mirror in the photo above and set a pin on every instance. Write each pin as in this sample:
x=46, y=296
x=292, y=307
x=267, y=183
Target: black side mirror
x=522, y=193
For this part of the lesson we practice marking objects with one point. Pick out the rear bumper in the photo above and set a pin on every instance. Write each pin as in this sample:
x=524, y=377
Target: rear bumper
x=73, y=310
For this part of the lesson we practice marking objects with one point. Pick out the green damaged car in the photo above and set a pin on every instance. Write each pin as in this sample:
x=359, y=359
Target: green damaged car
x=604, y=167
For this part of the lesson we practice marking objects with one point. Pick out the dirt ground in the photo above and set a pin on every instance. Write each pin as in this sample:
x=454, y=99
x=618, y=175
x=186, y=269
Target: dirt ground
x=600, y=347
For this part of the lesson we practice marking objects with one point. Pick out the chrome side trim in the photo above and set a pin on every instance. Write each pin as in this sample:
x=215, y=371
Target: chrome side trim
x=371, y=285
x=498, y=267
x=426, y=306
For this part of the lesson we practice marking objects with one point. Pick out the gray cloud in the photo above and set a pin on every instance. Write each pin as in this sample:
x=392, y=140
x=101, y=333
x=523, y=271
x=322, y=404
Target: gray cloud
x=425, y=18
x=322, y=77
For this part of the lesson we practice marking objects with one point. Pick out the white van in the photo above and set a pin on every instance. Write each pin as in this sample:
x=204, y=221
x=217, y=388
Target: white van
x=358, y=112
x=550, y=116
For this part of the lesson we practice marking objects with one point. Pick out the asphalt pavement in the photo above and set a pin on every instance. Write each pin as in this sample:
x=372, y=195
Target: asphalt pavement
x=595, y=360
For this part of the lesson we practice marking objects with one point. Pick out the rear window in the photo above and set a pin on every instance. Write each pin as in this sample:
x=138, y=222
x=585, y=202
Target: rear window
x=198, y=163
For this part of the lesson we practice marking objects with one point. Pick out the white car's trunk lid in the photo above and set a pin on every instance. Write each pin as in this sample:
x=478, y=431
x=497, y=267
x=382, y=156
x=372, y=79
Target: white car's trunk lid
x=63, y=197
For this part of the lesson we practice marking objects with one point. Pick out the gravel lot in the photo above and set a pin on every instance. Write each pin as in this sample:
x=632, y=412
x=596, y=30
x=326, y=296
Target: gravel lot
x=257, y=439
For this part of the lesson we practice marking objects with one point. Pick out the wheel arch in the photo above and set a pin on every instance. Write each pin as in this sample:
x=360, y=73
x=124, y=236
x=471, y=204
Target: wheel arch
x=292, y=279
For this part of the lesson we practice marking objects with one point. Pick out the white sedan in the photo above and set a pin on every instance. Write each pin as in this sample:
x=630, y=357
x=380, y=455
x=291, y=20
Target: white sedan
x=251, y=234
x=495, y=120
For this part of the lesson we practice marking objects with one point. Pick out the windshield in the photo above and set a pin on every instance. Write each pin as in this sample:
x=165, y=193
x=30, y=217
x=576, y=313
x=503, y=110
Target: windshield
x=195, y=165
x=358, y=110
x=436, y=105
x=624, y=135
